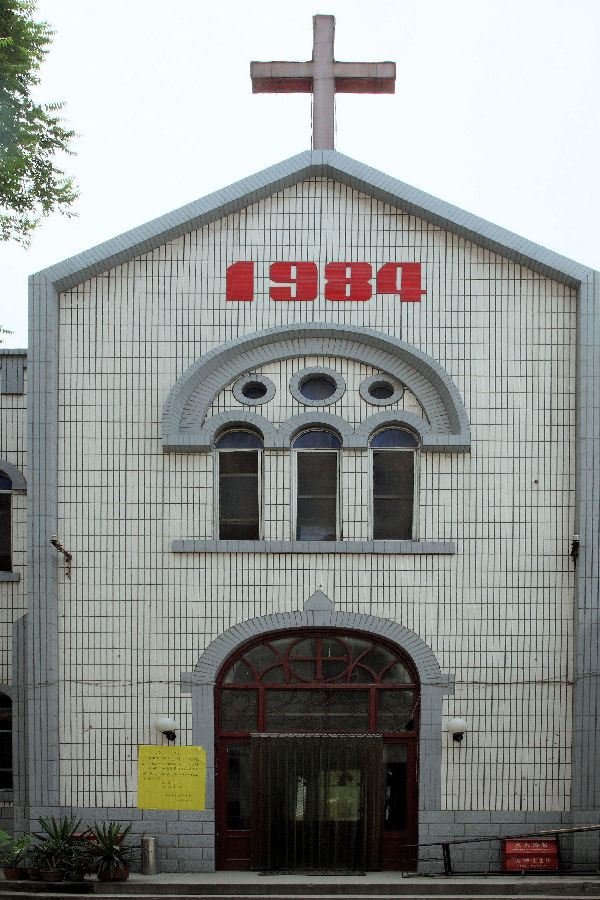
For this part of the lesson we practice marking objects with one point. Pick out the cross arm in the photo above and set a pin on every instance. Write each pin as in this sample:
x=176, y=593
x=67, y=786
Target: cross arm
x=365, y=78
x=281, y=77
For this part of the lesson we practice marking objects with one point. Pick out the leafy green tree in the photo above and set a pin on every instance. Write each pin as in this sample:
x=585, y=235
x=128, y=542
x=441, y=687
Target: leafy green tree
x=31, y=186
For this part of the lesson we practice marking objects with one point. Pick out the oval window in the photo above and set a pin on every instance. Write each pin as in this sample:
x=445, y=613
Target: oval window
x=318, y=387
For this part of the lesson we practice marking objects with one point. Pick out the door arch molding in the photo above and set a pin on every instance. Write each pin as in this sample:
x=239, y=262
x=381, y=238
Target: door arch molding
x=319, y=612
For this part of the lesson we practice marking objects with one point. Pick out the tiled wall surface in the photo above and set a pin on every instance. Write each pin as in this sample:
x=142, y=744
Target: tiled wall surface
x=13, y=432
x=497, y=614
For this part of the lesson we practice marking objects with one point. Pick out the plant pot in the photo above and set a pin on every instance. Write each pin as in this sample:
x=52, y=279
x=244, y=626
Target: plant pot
x=51, y=875
x=121, y=874
x=34, y=873
x=77, y=876
x=11, y=873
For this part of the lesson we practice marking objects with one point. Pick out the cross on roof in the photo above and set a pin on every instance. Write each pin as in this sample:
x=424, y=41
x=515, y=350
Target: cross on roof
x=323, y=77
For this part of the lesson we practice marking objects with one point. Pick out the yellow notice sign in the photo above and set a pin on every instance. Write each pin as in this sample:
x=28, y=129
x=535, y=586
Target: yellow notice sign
x=171, y=778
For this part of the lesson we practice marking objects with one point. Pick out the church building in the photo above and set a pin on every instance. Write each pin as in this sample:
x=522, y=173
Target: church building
x=305, y=474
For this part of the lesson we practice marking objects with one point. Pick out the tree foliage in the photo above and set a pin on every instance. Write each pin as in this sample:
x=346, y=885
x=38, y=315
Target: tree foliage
x=31, y=186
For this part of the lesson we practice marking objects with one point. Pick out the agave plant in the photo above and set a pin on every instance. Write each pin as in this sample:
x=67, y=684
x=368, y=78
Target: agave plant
x=12, y=849
x=110, y=850
x=58, y=842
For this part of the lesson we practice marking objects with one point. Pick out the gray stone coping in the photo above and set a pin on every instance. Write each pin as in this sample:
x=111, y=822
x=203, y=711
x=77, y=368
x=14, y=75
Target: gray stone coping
x=10, y=576
x=415, y=548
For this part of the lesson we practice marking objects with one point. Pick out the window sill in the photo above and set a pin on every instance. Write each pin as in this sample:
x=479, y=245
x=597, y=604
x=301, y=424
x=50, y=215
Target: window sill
x=387, y=547
x=10, y=576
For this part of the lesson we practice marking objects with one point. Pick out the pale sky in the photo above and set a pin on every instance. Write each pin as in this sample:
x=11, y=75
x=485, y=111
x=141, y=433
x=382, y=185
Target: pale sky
x=496, y=110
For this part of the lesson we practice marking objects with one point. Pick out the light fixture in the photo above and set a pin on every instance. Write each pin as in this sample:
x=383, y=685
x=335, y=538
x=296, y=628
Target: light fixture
x=68, y=556
x=166, y=727
x=575, y=547
x=457, y=728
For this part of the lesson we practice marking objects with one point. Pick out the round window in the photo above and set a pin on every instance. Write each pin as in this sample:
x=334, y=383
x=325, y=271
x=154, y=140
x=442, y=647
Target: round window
x=254, y=390
x=381, y=390
x=318, y=387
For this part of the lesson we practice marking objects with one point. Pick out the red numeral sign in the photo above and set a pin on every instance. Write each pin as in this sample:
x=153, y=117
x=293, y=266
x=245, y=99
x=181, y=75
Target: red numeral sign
x=302, y=278
x=344, y=281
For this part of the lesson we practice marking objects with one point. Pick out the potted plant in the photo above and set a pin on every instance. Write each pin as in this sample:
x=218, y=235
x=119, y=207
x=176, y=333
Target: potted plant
x=11, y=851
x=55, y=852
x=110, y=850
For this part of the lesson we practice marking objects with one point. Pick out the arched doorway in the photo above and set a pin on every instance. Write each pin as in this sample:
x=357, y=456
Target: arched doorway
x=316, y=752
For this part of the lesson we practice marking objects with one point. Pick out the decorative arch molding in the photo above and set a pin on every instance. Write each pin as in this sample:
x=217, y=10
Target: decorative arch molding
x=319, y=612
x=216, y=654
x=393, y=418
x=288, y=431
x=214, y=425
x=15, y=475
x=184, y=414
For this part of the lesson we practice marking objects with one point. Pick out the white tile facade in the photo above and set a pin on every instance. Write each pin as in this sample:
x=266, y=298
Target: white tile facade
x=498, y=614
x=13, y=431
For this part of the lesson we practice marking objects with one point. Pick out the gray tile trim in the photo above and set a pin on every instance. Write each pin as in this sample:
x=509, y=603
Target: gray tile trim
x=398, y=548
x=194, y=391
x=288, y=430
x=42, y=560
x=15, y=475
x=586, y=689
x=10, y=576
x=12, y=368
x=305, y=165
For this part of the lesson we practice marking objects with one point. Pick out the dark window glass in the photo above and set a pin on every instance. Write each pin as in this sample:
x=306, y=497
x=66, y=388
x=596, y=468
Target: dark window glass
x=381, y=390
x=393, y=495
x=395, y=759
x=317, y=440
x=238, y=786
x=239, y=710
x=5, y=483
x=6, y=763
x=394, y=437
x=317, y=496
x=238, y=495
x=395, y=710
x=318, y=387
x=254, y=390
x=317, y=710
x=239, y=440
x=5, y=533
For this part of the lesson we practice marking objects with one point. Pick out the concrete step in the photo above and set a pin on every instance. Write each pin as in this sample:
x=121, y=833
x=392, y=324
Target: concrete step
x=304, y=888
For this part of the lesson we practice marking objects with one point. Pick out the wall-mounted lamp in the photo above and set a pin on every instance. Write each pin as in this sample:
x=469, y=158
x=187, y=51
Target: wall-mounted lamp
x=68, y=556
x=166, y=727
x=575, y=547
x=457, y=728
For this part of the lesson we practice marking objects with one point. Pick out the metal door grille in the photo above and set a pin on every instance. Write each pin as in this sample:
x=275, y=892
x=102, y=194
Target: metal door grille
x=316, y=801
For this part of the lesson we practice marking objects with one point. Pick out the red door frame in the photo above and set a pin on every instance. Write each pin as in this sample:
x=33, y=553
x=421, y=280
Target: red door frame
x=233, y=847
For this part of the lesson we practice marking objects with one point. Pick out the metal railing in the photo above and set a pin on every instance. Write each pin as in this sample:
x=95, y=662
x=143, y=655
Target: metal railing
x=528, y=835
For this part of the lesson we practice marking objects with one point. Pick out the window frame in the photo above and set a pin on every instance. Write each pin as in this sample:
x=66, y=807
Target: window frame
x=338, y=492
x=9, y=493
x=416, y=481
x=217, y=481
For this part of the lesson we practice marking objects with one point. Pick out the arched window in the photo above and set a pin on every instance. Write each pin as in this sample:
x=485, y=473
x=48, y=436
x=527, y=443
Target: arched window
x=5, y=523
x=317, y=503
x=6, y=764
x=393, y=453
x=239, y=473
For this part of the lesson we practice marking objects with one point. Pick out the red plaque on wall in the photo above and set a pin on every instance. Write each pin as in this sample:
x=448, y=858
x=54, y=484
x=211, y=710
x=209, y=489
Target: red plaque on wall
x=530, y=855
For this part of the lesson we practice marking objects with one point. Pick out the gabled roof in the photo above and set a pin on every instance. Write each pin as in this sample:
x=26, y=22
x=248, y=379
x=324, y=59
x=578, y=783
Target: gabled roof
x=311, y=164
